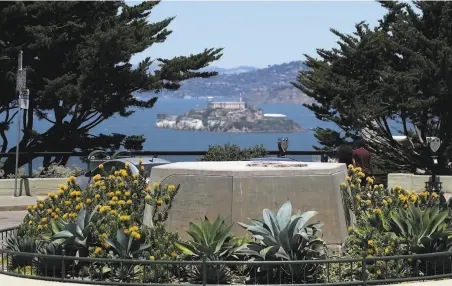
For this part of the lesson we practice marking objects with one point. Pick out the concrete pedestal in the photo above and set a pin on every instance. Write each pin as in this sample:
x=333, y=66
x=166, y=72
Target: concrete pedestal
x=241, y=190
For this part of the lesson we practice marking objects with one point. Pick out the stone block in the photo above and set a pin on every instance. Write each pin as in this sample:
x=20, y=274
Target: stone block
x=241, y=190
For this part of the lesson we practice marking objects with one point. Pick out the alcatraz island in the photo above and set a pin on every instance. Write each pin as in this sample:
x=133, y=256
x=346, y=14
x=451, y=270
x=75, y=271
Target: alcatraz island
x=228, y=116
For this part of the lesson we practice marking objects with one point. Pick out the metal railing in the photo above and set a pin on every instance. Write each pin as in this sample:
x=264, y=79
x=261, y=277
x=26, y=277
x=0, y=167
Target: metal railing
x=339, y=271
x=172, y=156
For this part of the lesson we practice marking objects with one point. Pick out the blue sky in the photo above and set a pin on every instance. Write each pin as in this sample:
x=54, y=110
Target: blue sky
x=256, y=33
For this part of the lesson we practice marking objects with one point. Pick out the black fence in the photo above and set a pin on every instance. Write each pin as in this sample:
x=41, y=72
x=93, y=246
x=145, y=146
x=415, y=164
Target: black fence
x=338, y=271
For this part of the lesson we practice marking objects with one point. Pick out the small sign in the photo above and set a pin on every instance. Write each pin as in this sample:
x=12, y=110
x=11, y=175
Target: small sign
x=21, y=80
x=24, y=99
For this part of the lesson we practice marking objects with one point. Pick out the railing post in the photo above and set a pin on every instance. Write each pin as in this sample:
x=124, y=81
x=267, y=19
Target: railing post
x=204, y=271
x=364, y=268
x=30, y=165
x=63, y=265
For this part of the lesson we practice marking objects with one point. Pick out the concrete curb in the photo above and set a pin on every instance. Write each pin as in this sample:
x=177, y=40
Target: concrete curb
x=12, y=280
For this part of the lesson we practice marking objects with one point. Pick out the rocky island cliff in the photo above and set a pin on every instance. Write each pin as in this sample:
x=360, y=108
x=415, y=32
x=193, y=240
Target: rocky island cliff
x=247, y=119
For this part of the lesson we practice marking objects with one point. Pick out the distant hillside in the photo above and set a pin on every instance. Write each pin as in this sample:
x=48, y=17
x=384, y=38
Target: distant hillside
x=267, y=85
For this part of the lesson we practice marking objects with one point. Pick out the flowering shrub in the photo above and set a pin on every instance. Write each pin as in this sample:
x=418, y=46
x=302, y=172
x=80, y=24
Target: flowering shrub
x=119, y=200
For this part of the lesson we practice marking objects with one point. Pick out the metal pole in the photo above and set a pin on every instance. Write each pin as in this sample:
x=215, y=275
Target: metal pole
x=19, y=68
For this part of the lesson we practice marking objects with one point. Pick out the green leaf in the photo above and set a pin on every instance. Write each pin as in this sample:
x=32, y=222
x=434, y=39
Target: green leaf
x=284, y=214
x=185, y=248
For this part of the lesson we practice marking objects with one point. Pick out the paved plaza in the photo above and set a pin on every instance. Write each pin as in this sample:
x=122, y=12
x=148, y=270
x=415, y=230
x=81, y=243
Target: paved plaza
x=9, y=219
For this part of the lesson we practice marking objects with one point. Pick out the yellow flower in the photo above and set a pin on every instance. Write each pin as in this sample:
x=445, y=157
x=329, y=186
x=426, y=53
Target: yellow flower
x=135, y=182
x=381, y=186
x=159, y=202
x=70, y=179
x=72, y=215
x=73, y=194
x=104, y=235
x=129, y=202
x=370, y=251
x=39, y=227
x=171, y=188
x=65, y=216
x=134, y=228
x=173, y=254
x=78, y=193
x=126, y=194
x=41, y=206
x=97, y=178
x=97, y=196
x=152, y=257
x=413, y=198
x=140, y=161
x=60, y=192
x=57, y=210
x=435, y=195
x=49, y=211
x=370, y=180
x=67, y=202
x=126, y=231
x=378, y=272
x=77, y=199
x=389, y=200
x=352, y=186
x=350, y=229
x=368, y=202
x=101, y=166
x=55, y=216
x=350, y=166
x=89, y=201
x=370, y=242
x=147, y=197
x=62, y=187
x=343, y=185
x=115, y=198
x=387, y=250
x=124, y=173
x=51, y=195
x=156, y=185
x=111, y=194
x=113, y=212
x=136, y=235
x=106, y=245
x=121, y=202
x=135, y=176
x=77, y=207
x=402, y=198
x=397, y=188
x=377, y=211
x=127, y=165
x=358, y=169
x=112, y=203
x=30, y=222
x=118, y=193
x=361, y=174
x=348, y=178
x=35, y=207
x=29, y=207
x=405, y=205
x=97, y=250
x=358, y=197
x=142, y=168
x=148, y=188
x=385, y=202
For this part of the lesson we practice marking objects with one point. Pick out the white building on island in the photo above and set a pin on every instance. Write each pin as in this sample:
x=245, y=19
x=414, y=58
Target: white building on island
x=227, y=104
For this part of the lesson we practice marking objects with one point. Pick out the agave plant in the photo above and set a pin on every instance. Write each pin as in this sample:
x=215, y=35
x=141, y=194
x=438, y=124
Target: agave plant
x=25, y=244
x=125, y=246
x=77, y=234
x=425, y=230
x=212, y=241
x=285, y=237
x=50, y=266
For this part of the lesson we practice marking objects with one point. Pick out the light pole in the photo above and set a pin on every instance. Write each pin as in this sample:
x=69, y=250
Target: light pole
x=21, y=88
x=434, y=185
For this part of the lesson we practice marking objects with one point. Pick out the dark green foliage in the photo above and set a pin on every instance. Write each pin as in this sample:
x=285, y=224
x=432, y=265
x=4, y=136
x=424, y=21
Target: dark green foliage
x=50, y=266
x=399, y=71
x=77, y=57
x=21, y=244
x=126, y=246
x=213, y=242
x=230, y=152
